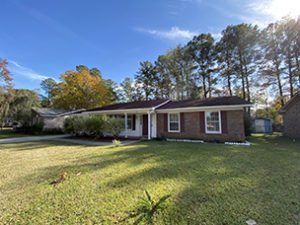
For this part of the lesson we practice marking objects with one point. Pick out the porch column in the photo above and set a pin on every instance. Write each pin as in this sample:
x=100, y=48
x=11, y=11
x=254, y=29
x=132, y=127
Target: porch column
x=149, y=125
x=125, y=125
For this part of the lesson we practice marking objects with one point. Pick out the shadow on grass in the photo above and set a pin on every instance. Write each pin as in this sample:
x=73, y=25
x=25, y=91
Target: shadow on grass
x=222, y=184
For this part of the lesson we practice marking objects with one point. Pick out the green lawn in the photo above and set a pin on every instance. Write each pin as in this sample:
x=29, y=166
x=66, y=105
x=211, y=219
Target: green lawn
x=8, y=133
x=211, y=184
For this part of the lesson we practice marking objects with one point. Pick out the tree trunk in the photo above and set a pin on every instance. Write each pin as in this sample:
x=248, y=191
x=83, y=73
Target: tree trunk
x=279, y=84
x=297, y=65
x=204, y=86
x=290, y=74
x=228, y=77
x=242, y=74
x=209, y=86
x=247, y=83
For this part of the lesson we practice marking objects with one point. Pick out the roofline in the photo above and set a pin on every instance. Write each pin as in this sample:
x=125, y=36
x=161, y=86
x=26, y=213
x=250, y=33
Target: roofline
x=197, y=108
x=113, y=111
x=284, y=108
x=145, y=110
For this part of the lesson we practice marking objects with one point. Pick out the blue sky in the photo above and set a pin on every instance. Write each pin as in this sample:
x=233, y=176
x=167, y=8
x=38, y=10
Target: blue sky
x=45, y=38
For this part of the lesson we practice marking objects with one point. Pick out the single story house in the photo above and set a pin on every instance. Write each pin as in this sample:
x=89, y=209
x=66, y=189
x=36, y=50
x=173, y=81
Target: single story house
x=212, y=119
x=51, y=118
x=291, y=117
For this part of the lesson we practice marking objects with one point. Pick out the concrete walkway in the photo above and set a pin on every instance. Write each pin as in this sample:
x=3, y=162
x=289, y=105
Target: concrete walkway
x=32, y=138
x=62, y=138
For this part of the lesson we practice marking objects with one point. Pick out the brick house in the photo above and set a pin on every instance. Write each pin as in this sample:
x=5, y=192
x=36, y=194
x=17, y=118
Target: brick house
x=212, y=119
x=291, y=117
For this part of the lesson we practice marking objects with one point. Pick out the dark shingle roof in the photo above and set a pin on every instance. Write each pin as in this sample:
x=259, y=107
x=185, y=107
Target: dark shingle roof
x=130, y=105
x=217, y=101
x=49, y=112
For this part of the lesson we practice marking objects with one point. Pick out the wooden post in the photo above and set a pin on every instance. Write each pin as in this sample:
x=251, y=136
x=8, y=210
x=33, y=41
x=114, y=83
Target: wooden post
x=149, y=125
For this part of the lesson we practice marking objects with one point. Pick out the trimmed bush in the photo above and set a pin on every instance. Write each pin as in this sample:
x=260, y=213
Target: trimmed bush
x=114, y=126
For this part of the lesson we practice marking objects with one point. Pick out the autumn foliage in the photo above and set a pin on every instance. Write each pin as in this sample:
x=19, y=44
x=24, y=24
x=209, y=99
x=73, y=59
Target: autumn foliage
x=82, y=88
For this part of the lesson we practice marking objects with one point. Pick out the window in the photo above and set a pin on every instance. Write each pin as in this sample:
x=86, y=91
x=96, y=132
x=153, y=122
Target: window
x=129, y=122
x=173, y=122
x=213, y=122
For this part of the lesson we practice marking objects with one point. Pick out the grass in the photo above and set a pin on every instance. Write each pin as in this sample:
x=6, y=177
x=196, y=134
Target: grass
x=9, y=133
x=208, y=183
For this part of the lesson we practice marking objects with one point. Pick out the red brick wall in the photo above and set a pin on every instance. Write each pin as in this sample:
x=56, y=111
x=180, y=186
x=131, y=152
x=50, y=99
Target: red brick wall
x=291, y=121
x=194, y=127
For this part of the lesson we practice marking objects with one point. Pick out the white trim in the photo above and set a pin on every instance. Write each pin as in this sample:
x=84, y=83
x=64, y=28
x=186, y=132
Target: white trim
x=220, y=123
x=204, y=108
x=120, y=111
x=126, y=117
x=179, y=128
x=149, y=125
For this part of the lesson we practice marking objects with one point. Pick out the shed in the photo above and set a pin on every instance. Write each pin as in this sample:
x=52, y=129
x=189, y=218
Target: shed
x=262, y=125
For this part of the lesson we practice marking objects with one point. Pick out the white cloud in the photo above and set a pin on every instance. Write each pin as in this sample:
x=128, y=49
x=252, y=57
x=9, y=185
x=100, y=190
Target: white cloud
x=17, y=69
x=174, y=33
x=275, y=9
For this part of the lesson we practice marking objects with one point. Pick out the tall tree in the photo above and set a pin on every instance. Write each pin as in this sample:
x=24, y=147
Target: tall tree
x=227, y=65
x=146, y=79
x=81, y=89
x=245, y=37
x=6, y=94
x=20, y=107
x=202, y=50
x=288, y=43
x=271, y=62
x=48, y=85
x=164, y=84
x=130, y=90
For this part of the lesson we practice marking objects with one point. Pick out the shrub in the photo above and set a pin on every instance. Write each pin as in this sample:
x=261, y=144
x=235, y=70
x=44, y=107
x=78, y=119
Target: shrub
x=85, y=125
x=114, y=126
x=53, y=131
x=94, y=125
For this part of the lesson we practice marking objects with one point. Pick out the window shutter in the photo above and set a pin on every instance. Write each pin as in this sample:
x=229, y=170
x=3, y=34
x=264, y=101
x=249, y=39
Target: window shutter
x=133, y=122
x=202, y=122
x=224, y=122
x=166, y=122
x=181, y=122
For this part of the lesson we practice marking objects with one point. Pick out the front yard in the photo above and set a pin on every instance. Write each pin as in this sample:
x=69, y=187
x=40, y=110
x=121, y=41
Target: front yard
x=209, y=183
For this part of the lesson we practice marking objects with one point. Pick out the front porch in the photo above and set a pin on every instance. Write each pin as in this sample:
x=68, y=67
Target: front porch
x=137, y=124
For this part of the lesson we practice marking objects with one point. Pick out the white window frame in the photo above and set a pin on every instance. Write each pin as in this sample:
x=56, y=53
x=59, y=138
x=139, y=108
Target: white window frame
x=130, y=118
x=220, y=123
x=174, y=131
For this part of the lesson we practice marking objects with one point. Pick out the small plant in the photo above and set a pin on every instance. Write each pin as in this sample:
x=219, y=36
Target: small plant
x=61, y=179
x=147, y=209
x=116, y=143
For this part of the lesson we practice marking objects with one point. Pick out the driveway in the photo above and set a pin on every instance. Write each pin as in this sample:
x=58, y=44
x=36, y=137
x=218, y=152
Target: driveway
x=32, y=138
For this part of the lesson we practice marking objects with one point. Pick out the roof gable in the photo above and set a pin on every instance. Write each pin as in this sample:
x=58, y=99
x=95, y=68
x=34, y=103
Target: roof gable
x=291, y=102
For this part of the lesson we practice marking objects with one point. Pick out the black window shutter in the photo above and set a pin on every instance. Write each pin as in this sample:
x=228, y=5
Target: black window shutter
x=202, y=122
x=181, y=122
x=224, y=122
x=166, y=122
x=133, y=122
